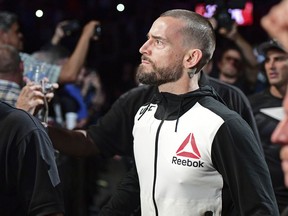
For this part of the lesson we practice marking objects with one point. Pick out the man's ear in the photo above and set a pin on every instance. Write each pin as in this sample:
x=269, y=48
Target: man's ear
x=192, y=58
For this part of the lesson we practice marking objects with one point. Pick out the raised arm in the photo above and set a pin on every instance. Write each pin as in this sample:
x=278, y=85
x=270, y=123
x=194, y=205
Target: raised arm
x=71, y=68
x=59, y=33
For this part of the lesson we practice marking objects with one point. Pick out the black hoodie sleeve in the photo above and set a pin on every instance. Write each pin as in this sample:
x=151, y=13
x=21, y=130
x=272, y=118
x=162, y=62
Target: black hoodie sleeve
x=113, y=132
x=241, y=162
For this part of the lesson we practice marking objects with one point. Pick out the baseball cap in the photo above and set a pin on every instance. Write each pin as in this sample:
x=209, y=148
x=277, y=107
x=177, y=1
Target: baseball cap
x=268, y=45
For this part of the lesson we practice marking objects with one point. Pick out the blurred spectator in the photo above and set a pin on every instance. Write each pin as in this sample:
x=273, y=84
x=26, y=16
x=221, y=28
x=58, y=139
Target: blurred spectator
x=11, y=82
x=276, y=25
x=94, y=95
x=75, y=105
x=235, y=62
x=10, y=34
x=74, y=111
x=267, y=109
x=68, y=101
x=29, y=180
x=70, y=94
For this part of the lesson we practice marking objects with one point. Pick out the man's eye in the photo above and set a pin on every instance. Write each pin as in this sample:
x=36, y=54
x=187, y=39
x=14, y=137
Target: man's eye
x=159, y=43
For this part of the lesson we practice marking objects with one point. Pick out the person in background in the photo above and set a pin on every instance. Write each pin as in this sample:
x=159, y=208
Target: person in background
x=10, y=34
x=235, y=62
x=68, y=108
x=81, y=101
x=26, y=151
x=12, y=86
x=265, y=106
x=231, y=66
x=29, y=180
x=277, y=27
x=92, y=90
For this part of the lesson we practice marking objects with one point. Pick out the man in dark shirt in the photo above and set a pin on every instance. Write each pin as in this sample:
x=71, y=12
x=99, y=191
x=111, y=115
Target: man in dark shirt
x=266, y=107
x=29, y=181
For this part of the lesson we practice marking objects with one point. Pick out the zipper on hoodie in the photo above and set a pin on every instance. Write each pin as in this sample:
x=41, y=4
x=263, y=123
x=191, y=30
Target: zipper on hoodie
x=155, y=167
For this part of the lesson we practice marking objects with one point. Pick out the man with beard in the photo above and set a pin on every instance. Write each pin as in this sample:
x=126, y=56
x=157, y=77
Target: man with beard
x=193, y=155
x=265, y=105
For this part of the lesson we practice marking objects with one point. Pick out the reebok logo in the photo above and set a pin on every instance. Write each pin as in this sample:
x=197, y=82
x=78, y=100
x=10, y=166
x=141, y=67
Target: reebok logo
x=187, y=162
x=189, y=150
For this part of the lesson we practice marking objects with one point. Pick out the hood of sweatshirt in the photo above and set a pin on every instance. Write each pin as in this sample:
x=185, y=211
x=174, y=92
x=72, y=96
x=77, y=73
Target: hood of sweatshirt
x=172, y=107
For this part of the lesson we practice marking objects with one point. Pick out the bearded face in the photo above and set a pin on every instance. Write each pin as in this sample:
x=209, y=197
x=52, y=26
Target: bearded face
x=150, y=74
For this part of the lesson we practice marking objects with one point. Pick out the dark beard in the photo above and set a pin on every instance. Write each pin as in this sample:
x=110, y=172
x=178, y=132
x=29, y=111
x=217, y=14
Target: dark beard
x=159, y=76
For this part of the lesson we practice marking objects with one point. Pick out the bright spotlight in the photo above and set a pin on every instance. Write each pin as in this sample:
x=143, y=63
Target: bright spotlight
x=39, y=13
x=120, y=7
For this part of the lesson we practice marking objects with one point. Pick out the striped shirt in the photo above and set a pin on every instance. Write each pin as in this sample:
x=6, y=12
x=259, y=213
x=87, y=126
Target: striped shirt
x=9, y=92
